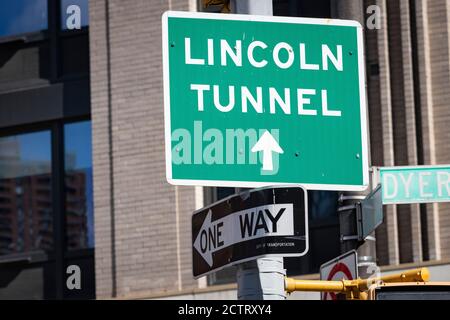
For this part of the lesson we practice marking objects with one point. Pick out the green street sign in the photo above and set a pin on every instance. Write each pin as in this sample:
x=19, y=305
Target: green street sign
x=415, y=184
x=252, y=101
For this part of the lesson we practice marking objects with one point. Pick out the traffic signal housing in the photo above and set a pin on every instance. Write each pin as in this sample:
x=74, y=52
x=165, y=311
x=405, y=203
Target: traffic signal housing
x=410, y=291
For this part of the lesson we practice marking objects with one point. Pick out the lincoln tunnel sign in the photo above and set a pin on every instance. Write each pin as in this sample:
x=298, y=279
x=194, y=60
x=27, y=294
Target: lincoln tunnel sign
x=254, y=101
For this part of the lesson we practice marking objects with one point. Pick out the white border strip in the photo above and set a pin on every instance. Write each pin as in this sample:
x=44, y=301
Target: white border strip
x=439, y=166
x=248, y=17
x=340, y=258
x=166, y=82
x=252, y=184
x=363, y=106
x=418, y=201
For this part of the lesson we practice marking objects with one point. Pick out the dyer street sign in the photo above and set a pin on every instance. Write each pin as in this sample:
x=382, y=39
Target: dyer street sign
x=342, y=267
x=369, y=213
x=254, y=101
x=416, y=184
x=252, y=224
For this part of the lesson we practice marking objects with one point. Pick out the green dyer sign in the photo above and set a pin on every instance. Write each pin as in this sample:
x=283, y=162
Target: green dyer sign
x=415, y=184
x=253, y=101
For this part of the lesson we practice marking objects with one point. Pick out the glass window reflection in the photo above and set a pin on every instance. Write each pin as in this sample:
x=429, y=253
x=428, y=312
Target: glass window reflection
x=25, y=193
x=22, y=16
x=71, y=10
x=322, y=204
x=79, y=202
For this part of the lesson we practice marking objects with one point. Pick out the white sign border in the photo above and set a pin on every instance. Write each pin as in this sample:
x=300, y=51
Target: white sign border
x=340, y=258
x=242, y=17
x=305, y=192
x=437, y=166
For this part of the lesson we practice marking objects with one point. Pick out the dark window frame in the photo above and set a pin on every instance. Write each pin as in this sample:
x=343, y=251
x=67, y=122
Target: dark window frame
x=28, y=36
x=53, y=17
x=59, y=256
x=81, y=252
x=54, y=34
x=54, y=122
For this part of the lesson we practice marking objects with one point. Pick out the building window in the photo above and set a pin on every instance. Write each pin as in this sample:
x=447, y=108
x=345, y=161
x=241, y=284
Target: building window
x=28, y=226
x=71, y=10
x=78, y=180
x=22, y=16
x=26, y=222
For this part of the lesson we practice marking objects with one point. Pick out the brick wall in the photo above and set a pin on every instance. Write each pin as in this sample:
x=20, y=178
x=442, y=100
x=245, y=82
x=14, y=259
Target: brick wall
x=395, y=139
x=438, y=20
x=137, y=251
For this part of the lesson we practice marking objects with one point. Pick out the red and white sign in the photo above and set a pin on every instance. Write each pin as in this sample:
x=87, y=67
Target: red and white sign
x=342, y=267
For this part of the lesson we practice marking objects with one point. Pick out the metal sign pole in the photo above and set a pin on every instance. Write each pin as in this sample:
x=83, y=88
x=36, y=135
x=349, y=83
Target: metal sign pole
x=260, y=279
x=354, y=10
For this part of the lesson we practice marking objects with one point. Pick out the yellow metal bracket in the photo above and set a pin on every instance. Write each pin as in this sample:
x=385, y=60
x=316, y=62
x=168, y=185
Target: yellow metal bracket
x=355, y=289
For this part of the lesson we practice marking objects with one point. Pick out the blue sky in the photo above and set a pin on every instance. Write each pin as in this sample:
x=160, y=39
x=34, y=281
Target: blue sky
x=22, y=16
x=77, y=138
x=35, y=146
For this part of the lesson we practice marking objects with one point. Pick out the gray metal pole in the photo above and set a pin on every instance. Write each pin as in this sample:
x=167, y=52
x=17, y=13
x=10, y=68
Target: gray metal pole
x=260, y=279
x=259, y=7
x=349, y=10
x=353, y=10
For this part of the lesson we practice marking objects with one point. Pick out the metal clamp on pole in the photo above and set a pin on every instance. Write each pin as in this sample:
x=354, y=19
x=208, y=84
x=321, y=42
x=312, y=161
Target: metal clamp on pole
x=261, y=279
x=346, y=238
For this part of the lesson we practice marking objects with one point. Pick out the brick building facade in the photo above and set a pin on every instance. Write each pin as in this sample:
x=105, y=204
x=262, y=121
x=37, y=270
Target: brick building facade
x=142, y=224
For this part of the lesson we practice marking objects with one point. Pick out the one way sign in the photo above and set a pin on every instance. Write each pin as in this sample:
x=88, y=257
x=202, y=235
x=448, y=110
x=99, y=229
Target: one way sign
x=256, y=223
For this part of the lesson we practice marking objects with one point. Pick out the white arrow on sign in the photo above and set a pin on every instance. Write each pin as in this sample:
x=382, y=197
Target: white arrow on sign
x=252, y=223
x=267, y=144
